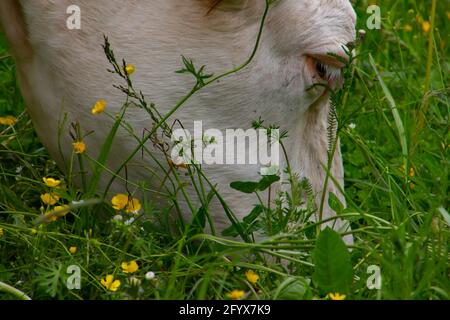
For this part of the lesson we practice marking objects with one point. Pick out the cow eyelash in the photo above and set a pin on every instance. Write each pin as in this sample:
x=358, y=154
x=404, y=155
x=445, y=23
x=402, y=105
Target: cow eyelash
x=327, y=72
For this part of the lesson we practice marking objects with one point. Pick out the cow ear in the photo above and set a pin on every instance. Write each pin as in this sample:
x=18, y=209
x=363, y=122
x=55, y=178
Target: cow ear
x=228, y=5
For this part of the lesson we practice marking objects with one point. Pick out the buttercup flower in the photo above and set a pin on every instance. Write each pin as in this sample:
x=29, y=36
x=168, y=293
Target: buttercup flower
x=236, y=294
x=61, y=211
x=73, y=250
x=79, y=147
x=411, y=172
x=99, y=107
x=50, y=217
x=130, y=69
x=50, y=182
x=337, y=296
x=133, y=206
x=110, y=284
x=56, y=213
x=8, y=121
x=251, y=276
x=130, y=267
x=123, y=201
x=50, y=198
x=426, y=26
x=119, y=201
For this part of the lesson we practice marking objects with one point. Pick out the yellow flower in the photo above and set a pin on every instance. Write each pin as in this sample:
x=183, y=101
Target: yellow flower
x=448, y=15
x=50, y=198
x=236, y=294
x=426, y=26
x=61, y=211
x=99, y=107
x=8, y=121
x=50, y=217
x=50, y=182
x=133, y=206
x=73, y=250
x=412, y=173
x=1, y=232
x=56, y=213
x=408, y=28
x=123, y=201
x=130, y=267
x=110, y=284
x=337, y=296
x=130, y=69
x=79, y=147
x=251, y=276
x=119, y=201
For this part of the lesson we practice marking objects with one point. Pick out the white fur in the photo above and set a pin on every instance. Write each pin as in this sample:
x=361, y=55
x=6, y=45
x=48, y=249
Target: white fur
x=65, y=71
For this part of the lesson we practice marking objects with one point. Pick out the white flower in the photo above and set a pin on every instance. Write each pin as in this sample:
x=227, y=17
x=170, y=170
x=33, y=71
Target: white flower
x=352, y=126
x=150, y=275
x=129, y=221
x=270, y=171
x=118, y=218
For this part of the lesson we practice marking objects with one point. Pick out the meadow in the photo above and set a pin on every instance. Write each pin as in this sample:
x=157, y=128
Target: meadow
x=393, y=115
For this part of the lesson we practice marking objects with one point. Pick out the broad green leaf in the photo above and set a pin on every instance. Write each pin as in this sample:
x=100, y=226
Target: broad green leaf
x=250, y=186
x=333, y=269
x=245, y=186
x=256, y=212
x=248, y=225
x=293, y=289
x=267, y=181
x=335, y=203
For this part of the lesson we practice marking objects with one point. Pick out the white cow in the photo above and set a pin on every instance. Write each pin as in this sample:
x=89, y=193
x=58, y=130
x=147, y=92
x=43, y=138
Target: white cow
x=65, y=71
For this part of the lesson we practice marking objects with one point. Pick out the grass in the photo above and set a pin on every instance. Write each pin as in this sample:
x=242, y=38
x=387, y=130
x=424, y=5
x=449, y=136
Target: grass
x=393, y=124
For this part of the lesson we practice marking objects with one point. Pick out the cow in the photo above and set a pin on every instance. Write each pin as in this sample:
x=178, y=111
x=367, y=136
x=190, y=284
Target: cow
x=63, y=71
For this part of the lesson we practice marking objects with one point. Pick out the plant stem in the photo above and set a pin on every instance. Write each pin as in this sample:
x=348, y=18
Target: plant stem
x=13, y=291
x=191, y=93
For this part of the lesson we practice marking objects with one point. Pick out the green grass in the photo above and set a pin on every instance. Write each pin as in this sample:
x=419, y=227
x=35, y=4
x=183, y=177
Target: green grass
x=393, y=124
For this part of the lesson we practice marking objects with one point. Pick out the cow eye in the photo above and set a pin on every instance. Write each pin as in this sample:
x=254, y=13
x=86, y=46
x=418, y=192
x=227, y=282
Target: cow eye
x=331, y=74
x=321, y=70
x=327, y=68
